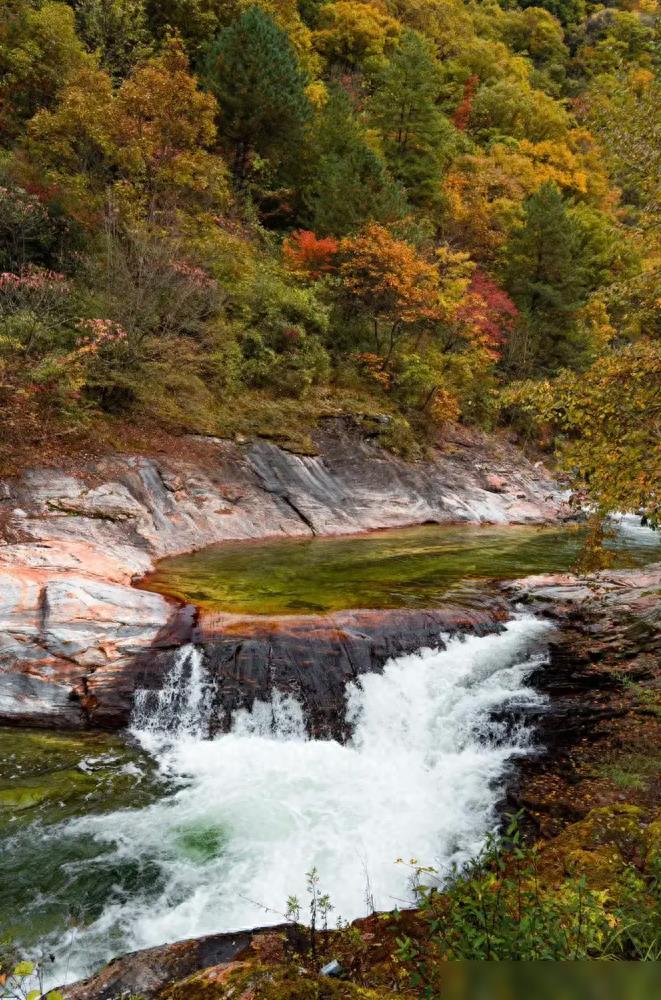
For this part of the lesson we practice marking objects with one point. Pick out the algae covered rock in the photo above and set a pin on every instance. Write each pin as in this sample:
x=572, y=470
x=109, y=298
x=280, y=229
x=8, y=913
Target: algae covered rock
x=290, y=982
x=599, y=846
x=652, y=840
x=620, y=826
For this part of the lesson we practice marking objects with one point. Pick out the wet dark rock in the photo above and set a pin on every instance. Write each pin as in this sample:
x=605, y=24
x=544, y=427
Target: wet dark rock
x=607, y=643
x=147, y=973
x=314, y=657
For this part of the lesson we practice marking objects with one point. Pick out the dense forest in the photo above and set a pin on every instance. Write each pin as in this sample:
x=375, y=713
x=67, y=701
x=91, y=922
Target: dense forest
x=227, y=217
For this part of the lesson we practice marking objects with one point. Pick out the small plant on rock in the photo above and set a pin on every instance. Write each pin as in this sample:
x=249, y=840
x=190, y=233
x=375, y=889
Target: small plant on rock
x=21, y=979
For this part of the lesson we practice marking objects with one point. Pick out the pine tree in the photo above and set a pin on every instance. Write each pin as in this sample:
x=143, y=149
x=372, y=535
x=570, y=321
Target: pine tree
x=568, y=12
x=346, y=182
x=545, y=281
x=196, y=21
x=254, y=73
x=418, y=139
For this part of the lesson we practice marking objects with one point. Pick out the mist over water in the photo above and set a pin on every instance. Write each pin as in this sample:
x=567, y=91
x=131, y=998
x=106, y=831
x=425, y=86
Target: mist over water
x=250, y=812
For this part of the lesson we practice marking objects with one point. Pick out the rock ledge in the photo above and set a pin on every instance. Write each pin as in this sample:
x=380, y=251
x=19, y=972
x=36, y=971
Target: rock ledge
x=73, y=541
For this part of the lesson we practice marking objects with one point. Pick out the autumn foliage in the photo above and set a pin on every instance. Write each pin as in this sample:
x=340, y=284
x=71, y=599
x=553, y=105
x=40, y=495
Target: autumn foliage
x=309, y=254
x=388, y=278
x=461, y=117
x=213, y=211
x=487, y=313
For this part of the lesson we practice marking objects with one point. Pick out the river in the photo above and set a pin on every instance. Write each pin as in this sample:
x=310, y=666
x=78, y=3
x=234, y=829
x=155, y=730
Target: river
x=117, y=843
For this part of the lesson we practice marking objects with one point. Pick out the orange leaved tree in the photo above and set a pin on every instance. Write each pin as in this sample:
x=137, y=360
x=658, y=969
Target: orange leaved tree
x=308, y=254
x=390, y=282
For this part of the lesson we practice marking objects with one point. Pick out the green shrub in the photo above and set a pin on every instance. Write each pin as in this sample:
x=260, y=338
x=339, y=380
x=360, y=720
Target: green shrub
x=499, y=907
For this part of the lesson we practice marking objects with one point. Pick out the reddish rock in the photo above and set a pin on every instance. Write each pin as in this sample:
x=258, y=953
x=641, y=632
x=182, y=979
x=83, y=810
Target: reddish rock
x=146, y=973
x=71, y=543
x=315, y=656
x=58, y=632
x=495, y=483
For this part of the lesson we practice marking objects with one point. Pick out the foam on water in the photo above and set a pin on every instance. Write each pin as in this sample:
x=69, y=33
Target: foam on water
x=182, y=707
x=254, y=810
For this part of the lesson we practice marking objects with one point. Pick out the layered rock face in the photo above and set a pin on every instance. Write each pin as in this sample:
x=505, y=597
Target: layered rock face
x=72, y=542
x=312, y=657
x=603, y=684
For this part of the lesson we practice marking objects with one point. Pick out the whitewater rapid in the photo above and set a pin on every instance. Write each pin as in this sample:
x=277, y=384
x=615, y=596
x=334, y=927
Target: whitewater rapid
x=253, y=810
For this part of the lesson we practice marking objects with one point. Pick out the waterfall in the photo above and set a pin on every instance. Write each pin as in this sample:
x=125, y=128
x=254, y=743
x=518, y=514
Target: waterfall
x=281, y=718
x=183, y=706
x=249, y=812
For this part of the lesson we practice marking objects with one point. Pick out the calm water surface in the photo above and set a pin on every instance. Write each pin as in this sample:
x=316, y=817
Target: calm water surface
x=411, y=567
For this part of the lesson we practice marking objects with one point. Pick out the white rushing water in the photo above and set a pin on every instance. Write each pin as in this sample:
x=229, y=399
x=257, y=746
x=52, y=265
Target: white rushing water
x=630, y=533
x=182, y=708
x=255, y=809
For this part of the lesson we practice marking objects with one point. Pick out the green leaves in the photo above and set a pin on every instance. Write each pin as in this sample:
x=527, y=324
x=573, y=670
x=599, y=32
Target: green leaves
x=504, y=906
x=608, y=423
x=418, y=139
x=24, y=969
x=253, y=71
x=544, y=280
x=344, y=180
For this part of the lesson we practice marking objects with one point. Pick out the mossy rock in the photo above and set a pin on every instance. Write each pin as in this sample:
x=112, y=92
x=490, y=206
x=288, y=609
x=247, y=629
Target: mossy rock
x=374, y=424
x=52, y=789
x=598, y=846
x=209, y=983
x=620, y=826
x=600, y=867
x=252, y=981
x=652, y=840
x=27, y=796
x=298, y=443
x=51, y=776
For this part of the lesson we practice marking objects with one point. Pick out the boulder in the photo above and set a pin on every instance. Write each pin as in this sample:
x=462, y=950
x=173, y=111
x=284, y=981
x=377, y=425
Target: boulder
x=90, y=621
x=495, y=483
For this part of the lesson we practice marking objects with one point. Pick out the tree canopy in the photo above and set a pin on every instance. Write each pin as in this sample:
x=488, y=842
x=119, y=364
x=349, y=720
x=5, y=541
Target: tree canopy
x=239, y=215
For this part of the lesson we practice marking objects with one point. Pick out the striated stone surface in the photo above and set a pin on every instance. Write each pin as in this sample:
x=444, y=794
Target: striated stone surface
x=604, y=688
x=72, y=542
x=313, y=657
x=90, y=621
x=57, y=633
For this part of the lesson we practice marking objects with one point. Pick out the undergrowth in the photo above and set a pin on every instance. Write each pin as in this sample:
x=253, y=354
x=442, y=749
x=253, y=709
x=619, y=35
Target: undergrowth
x=501, y=907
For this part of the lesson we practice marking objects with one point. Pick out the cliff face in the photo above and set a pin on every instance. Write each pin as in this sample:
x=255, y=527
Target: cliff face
x=312, y=657
x=72, y=541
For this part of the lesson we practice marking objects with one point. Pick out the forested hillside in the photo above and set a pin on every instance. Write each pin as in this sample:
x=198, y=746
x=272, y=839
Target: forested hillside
x=224, y=217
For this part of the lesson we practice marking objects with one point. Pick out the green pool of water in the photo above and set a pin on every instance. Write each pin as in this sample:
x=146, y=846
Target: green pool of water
x=46, y=779
x=412, y=567
x=48, y=776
